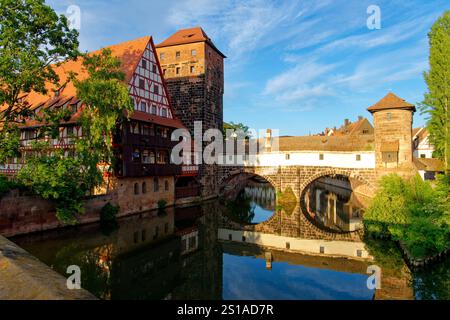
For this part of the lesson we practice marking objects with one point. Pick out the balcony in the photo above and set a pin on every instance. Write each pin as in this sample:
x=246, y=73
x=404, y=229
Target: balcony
x=61, y=143
x=189, y=170
x=10, y=169
x=187, y=192
x=142, y=170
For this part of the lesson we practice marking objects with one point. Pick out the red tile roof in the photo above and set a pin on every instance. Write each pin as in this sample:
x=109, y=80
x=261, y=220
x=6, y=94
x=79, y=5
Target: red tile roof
x=391, y=101
x=128, y=52
x=429, y=164
x=185, y=36
x=321, y=143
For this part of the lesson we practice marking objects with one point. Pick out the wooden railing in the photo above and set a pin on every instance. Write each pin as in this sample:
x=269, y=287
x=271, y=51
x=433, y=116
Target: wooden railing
x=189, y=170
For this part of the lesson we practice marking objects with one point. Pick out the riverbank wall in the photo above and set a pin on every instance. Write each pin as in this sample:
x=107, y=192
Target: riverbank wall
x=24, y=277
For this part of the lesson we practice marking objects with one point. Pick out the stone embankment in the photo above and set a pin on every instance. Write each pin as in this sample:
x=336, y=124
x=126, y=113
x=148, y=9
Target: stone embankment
x=23, y=277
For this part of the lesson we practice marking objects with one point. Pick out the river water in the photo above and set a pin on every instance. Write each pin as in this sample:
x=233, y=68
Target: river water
x=190, y=253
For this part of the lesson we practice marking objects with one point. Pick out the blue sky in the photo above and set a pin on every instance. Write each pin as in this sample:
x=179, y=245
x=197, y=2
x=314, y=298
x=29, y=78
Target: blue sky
x=296, y=66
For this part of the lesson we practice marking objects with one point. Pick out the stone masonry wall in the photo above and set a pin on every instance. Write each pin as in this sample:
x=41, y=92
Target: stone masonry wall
x=21, y=214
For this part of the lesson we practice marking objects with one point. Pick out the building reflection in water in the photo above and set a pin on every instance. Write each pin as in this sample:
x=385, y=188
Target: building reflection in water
x=188, y=253
x=330, y=202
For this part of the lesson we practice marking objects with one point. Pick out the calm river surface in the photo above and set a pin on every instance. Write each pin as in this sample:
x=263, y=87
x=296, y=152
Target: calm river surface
x=177, y=255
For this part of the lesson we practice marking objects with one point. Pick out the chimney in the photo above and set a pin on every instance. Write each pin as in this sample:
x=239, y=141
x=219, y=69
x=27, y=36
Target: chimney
x=360, y=118
x=268, y=141
x=346, y=122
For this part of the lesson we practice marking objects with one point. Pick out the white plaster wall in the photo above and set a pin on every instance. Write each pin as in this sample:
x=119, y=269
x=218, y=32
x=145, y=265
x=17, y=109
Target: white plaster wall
x=334, y=248
x=307, y=158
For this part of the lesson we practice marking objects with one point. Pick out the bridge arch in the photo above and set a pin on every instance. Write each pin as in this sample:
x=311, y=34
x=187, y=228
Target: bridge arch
x=350, y=174
x=237, y=179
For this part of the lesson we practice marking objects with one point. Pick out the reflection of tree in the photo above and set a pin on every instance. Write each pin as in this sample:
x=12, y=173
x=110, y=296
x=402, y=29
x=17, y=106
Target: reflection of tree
x=286, y=201
x=241, y=209
x=95, y=265
x=433, y=283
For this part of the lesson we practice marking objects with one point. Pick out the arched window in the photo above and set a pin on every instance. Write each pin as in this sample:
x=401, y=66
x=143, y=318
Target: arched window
x=144, y=187
x=136, y=188
x=155, y=185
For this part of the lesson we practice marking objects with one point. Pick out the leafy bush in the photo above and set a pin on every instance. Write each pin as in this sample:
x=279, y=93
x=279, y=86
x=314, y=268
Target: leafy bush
x=8, y=185
x=109, y=212
x=413, y=212
x=64, y=180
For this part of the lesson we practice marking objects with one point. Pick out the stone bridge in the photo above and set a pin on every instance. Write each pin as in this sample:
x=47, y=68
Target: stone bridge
x=296, y=178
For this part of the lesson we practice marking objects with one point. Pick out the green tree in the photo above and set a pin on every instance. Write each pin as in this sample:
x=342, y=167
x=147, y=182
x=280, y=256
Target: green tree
x=437, y=99
x=238, y=127
x=32, y=38
x=67, y=180
x=105, y=103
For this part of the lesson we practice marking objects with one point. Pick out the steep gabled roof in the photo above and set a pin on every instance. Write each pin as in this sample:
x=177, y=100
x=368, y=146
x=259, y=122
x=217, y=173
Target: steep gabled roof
x=128, y=52
x=391, y=101
x=185, y=36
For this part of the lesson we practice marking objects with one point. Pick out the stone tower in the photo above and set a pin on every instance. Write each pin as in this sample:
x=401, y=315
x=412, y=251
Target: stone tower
x=194, y=71
x=393, y=118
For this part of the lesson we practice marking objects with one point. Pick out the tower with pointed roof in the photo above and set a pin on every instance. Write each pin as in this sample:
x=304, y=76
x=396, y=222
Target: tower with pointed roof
x=193, y=68
x=393, y=118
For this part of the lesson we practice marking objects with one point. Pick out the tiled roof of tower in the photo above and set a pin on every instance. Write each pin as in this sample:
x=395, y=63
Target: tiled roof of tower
x=185, y=36
x=391, y=101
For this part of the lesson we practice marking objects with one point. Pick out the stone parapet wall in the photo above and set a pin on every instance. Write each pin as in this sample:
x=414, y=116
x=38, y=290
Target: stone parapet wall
x=23, y=277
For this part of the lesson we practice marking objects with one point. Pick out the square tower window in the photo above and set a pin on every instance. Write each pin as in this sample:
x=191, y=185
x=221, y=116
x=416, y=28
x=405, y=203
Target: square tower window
x=178, y=54
x=321, y=156
x=192, y=69
x=162, y=56
x=389, y=116
x=177, y=71
x=358, y=157
x=193, y=52
x=288, y=156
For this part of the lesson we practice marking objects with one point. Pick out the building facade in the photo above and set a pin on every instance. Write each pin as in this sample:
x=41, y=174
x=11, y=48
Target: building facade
x=143, y=173
x=194, y=72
